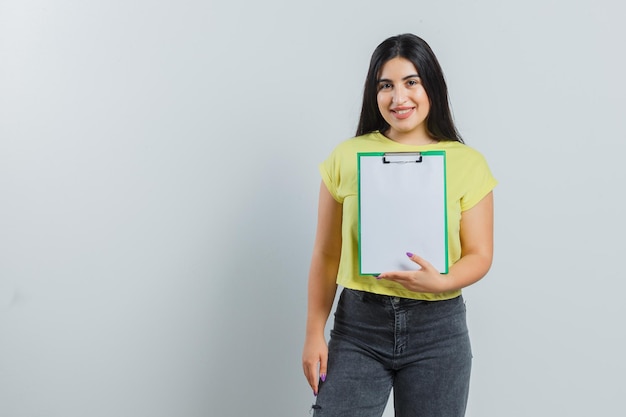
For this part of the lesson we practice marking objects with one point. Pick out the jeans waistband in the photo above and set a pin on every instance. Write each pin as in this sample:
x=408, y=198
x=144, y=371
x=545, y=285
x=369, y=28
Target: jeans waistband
x=390, y=299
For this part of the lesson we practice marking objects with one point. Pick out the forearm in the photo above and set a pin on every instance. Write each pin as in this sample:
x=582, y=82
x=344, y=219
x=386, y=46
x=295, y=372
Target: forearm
x=321, y=295
x=321, y=292
x=467, y=271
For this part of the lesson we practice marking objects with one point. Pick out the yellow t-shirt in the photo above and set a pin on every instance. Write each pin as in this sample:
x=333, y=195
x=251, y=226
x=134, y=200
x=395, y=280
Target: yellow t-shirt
x=468, y=181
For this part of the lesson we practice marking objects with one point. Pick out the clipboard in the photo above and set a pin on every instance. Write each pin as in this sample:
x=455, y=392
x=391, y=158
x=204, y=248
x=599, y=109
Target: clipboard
x=402, y=208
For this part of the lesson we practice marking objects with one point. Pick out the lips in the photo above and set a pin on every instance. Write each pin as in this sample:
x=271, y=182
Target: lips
x=402, y=112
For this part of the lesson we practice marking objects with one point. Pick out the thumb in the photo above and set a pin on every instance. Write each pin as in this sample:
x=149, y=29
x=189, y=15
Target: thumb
x=420, y=261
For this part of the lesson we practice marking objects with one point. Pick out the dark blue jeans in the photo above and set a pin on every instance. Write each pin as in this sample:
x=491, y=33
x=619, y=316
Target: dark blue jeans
x=420, y=348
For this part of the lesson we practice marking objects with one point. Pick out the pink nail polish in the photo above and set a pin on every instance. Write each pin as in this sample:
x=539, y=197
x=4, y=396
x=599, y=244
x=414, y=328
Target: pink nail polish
x=409, y=254
x=323, y=377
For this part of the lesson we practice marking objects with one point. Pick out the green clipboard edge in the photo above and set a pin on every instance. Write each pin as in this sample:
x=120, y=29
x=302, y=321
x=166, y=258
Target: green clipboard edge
x=445, y=196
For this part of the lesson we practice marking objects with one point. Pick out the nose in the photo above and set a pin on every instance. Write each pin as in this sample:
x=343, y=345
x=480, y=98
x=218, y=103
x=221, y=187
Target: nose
x=398, y=97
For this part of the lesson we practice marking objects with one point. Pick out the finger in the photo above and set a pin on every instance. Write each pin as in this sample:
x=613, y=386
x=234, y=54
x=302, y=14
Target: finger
x=395, y=275
x=310, y=371
x=420, y=261
x=390, y=275
x=323, y=366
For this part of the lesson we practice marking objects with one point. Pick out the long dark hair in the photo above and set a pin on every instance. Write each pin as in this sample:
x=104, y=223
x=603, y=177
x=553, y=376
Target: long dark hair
x=440, y=123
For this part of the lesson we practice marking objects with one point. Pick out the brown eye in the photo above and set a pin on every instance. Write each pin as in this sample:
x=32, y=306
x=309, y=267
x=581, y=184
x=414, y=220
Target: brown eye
x=384, y=86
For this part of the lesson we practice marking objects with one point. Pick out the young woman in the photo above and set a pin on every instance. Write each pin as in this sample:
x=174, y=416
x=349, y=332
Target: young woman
x=402, y=329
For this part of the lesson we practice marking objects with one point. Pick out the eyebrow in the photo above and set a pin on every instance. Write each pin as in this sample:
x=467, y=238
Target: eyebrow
x=383, y=80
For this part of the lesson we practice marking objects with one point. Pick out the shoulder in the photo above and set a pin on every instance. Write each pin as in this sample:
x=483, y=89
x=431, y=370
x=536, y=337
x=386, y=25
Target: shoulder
x=463, y=153
x=461, y=148
x=469, y=174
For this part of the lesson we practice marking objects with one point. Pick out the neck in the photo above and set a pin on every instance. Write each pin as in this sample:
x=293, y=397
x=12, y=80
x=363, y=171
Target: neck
x=411, y=138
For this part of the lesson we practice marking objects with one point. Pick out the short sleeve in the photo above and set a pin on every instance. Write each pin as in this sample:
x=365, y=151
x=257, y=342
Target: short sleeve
x=480, y=182
x=329, y=170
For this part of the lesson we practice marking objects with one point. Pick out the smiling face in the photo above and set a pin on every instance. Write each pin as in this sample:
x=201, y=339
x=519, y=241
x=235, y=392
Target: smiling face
x=403, y=103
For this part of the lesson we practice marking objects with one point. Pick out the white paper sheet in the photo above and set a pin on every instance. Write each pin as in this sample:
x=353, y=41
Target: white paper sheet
x=402, y=208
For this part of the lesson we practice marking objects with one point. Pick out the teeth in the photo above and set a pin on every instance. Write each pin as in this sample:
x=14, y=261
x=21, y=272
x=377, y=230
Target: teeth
x=403, y=111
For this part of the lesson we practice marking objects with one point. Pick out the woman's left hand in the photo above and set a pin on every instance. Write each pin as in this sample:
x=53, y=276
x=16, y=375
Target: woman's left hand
x=427, y=279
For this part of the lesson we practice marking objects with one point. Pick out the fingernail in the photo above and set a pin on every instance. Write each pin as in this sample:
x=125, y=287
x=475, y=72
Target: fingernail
x=377, y=276
x=314, y=393
x=323, y=377
x=409, y=254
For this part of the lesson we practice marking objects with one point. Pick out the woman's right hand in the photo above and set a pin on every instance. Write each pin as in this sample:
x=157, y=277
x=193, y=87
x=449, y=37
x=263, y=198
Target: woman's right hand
x=314, y=358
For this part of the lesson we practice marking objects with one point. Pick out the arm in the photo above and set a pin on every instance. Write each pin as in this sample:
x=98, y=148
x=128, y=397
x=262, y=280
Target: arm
x=322, y=286
x=476, y=255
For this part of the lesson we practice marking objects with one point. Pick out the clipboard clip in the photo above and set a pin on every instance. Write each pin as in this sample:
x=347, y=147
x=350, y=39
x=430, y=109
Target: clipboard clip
x=402, y=157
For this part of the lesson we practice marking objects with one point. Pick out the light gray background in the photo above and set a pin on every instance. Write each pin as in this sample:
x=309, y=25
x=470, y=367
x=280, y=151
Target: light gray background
x=158, y=186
